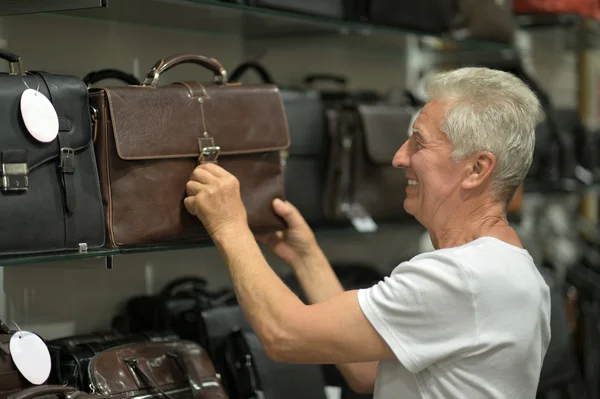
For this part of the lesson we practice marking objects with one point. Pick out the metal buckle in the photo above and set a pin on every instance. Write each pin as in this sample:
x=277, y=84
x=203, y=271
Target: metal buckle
x=209, y=152
x=67, y=160
x=14, y=177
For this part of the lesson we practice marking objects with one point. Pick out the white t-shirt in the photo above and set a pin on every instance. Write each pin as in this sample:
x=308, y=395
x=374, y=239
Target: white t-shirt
x=466, y=322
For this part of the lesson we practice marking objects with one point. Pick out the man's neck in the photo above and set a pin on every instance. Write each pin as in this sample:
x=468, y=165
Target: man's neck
x=470, y=221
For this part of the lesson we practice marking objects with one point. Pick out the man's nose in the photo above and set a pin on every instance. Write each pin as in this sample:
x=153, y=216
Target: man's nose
x=402, y=156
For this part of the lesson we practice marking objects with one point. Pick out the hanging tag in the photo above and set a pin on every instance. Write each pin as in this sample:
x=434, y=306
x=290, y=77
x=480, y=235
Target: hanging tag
x=360, y=218
x=39, y=116
x=30, y=355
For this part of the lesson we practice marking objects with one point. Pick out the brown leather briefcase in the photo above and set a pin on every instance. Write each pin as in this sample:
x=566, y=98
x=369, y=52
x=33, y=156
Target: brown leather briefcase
x=150, y=138
x=361, y=181
x=177, y=370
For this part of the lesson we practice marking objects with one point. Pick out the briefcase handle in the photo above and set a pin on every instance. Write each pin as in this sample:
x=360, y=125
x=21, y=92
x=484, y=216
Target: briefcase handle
x=325, y=77
x=12, y=59
x=241, y=70
x=165, y=64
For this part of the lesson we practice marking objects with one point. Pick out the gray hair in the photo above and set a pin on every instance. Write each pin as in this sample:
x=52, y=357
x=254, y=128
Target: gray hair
x=491, y=111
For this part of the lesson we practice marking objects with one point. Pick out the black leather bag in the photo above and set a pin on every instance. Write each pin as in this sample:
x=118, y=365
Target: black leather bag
x=255, y=376
x=109, y=73
x=462, y=19
x=307, y=160
x=49, y=192
x=178, y=308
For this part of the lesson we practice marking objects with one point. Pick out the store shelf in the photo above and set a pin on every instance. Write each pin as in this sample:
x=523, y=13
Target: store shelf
x=340, y=231
x=55, y=257
x=252, y=23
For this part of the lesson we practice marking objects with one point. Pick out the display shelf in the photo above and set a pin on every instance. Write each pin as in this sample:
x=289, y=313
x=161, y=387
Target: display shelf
x=340, y=231
x=223, y=18
x=55, y=257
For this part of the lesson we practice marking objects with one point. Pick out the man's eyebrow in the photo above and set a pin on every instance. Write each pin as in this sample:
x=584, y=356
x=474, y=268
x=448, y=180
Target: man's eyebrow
x=417, y=133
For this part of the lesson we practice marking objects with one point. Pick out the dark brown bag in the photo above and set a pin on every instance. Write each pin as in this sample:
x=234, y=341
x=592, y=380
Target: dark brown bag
x=361, y=180
x=179, y=369
x=150, y=139
x=11, y=380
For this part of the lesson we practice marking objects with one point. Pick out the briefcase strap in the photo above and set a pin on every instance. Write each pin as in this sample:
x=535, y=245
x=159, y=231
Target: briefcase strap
x=67, y=162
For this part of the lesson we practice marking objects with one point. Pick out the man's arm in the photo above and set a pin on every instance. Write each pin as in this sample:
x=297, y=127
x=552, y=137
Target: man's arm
x=289, y=330
x=320, y=283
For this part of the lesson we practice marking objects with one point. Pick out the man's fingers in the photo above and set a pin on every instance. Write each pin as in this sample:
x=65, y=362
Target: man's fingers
x=192, y=187
x=214, y=169
x=288, y=212
x=270, y=239
x=203, y=175
x=189, y=204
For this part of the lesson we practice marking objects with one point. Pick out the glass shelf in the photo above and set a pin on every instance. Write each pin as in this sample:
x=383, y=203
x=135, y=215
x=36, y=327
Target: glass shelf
x=337, y=231
x=223, y=18
x=55, y=257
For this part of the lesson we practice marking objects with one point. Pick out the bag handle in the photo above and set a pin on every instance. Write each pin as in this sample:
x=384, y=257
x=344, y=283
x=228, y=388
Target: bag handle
x=262, y=72
x=97, y=76
x=12, y=59
x=37, y=391
x=325, y=77
x=196, y=282
x=165, y=64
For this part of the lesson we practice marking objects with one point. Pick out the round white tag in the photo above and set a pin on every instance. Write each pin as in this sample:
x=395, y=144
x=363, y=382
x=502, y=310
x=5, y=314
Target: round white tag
x=30, y=355
x=39, y=116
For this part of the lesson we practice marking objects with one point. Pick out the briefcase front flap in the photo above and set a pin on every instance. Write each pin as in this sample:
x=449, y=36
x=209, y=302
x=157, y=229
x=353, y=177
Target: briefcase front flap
x=69, y=98
x=145, y=366
x=385, y=129
x=167, y=122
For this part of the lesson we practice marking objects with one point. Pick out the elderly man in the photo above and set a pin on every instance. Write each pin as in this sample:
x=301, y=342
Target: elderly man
x=468, y=320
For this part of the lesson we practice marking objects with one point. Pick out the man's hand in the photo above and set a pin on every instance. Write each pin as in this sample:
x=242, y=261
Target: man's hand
x=214, y=197
x=297, y=243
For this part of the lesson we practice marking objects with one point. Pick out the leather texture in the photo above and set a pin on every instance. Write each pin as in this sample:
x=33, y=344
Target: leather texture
x=148, y=146
x=182, y=369
x=52, y=392
x=364, y=140
x=254, y=372
x=304, y=177
x=62, y=206
x=70, y=364
x=463, y=19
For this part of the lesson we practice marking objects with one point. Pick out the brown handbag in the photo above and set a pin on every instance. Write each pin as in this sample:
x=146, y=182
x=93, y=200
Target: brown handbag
x=177, y=369
x=11, y=380
x=361, y=180
x=150, y=139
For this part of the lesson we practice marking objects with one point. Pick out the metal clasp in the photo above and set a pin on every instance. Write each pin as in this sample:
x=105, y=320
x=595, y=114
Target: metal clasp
x=15, y=177
x=67, y=160
x=209, y=152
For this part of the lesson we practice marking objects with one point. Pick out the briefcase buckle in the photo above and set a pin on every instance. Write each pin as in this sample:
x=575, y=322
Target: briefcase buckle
x=209, y=152
x=15, y=177
x=67, y=160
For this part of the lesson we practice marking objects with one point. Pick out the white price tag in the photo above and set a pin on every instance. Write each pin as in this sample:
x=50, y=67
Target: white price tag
x=39, y=116
x=360, y=218
x=30, y=355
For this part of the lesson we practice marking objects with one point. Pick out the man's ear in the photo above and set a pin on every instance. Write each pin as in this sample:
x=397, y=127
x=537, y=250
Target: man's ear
x=481, y=168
